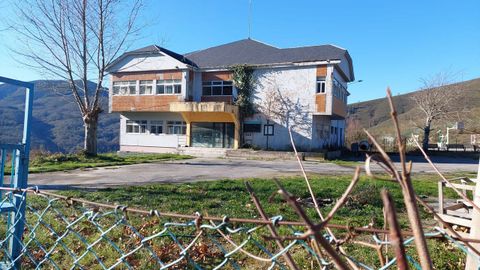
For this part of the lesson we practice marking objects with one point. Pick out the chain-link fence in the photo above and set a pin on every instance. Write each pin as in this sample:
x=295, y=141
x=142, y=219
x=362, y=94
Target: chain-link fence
x=70, y=233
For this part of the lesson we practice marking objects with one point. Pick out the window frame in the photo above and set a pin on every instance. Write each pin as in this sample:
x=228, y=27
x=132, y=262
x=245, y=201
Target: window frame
x=321, y=81
x=174, y=125
x=157, y=124
x=127, y=85
x=266, y=130
x=339, y=91
x=140, y=125
x=173, y=83
x=217, y=84
x=140, y=84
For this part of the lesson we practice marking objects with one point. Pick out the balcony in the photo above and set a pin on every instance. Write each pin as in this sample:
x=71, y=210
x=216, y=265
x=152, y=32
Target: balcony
x=145, y=103
x=204, y=107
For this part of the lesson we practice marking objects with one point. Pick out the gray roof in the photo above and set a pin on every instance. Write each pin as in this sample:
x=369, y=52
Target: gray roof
x=252, y=52
x=248, y=51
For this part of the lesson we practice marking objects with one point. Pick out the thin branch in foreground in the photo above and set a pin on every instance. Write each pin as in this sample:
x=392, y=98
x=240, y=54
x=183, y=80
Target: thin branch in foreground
x=395, y=234
x=337, y=260
x=409, y=195
x=408, y=191
x=342, y=199
x=314, y=198
x=288, y=258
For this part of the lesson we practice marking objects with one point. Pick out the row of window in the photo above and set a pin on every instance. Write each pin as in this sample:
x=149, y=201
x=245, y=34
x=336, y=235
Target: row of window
x=147, y=87
x=156, y=127
x=339, y=91
x=209, y=88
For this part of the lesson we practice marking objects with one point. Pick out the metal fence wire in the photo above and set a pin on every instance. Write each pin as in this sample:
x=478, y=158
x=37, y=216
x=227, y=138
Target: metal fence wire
x=60, y=234
x=68, y=233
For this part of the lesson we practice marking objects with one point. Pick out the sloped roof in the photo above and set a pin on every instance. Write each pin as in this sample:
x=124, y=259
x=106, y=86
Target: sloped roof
x=153, y=49
x=252, y=52
x=245, y=51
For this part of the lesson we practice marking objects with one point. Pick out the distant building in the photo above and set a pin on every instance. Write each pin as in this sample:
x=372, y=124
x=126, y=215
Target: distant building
x=167, y=100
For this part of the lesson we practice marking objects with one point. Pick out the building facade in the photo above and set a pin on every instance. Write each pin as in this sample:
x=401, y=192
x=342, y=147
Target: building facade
x=167, y=100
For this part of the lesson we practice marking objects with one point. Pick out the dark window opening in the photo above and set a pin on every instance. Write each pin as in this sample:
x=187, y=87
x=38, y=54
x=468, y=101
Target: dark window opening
x=255, y=128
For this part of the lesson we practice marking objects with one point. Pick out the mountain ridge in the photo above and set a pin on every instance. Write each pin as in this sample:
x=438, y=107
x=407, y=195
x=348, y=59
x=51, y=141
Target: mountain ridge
x=56, y=121
x=374, y=115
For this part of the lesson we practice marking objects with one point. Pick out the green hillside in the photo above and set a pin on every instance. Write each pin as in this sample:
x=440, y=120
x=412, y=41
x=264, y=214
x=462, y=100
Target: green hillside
x=374, y=115
x=57, y=125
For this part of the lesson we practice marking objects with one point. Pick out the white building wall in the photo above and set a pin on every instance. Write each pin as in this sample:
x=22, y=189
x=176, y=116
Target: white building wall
x=337, y=137
x=135, y=63
x=321, y=132
x=328, y=90
x=297, y=84
x=147, y=139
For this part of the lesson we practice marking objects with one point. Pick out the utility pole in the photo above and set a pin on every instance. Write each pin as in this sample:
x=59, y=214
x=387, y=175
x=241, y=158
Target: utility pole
x=249, y=19
x=472, y=260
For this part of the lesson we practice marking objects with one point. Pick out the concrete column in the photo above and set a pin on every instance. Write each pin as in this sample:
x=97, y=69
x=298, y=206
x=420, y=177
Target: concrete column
x=185, y=85
x=236, y=139
x=189, y=128
x=472, y=260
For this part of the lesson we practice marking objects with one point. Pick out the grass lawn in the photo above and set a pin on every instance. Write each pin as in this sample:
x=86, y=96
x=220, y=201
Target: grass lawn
x=229, y=197
x=63, y=162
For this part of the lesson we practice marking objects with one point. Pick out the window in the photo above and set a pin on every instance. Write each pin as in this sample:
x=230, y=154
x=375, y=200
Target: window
x=168, y=87
x=124, y=88
x=139, y=126
x=217, y=88
x=146, y=87
x=176, y=127
x=256, y=128
x=156, y=127
x=339, y=91
x=268, y=130
x=321, y=85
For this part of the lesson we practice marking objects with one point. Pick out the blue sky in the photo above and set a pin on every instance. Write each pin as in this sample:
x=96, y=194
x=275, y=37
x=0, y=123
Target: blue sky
x=392, y=43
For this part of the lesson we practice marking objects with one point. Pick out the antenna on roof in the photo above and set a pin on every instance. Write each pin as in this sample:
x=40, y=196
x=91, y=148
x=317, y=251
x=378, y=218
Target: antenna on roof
x=249, y=18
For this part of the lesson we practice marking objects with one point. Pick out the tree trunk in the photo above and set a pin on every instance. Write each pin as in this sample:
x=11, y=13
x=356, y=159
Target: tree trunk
x=426, y=137
x=90, y=123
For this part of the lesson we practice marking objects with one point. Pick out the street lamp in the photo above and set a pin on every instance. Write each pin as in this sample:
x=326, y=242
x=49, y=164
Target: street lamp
x=357, y=81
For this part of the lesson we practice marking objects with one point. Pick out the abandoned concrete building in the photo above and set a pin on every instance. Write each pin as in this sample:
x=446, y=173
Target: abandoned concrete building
x=168, y=100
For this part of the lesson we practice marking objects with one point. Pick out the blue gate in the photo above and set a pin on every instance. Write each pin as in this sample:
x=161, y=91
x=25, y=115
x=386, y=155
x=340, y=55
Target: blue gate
x=15, y=157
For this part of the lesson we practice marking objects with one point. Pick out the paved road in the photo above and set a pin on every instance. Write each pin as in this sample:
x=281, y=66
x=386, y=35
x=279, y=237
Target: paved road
x=204, y=169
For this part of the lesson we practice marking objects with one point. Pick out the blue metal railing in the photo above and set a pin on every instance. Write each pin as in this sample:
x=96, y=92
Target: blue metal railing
x=18, y=155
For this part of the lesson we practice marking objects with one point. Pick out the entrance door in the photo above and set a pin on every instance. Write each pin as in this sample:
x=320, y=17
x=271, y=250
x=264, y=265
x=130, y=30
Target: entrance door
x=213, y=135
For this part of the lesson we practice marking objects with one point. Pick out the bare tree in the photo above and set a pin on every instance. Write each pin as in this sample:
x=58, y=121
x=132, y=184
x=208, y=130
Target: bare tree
x=437, y=99
x=354, y=130
x=76, y=40
x=284, y=106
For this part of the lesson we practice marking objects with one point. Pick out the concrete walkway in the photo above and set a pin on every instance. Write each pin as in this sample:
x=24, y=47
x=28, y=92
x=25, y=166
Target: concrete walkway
x=205, y=169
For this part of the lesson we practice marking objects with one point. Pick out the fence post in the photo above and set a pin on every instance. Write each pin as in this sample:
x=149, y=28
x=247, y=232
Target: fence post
x=20, y=178
x=472, y=259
